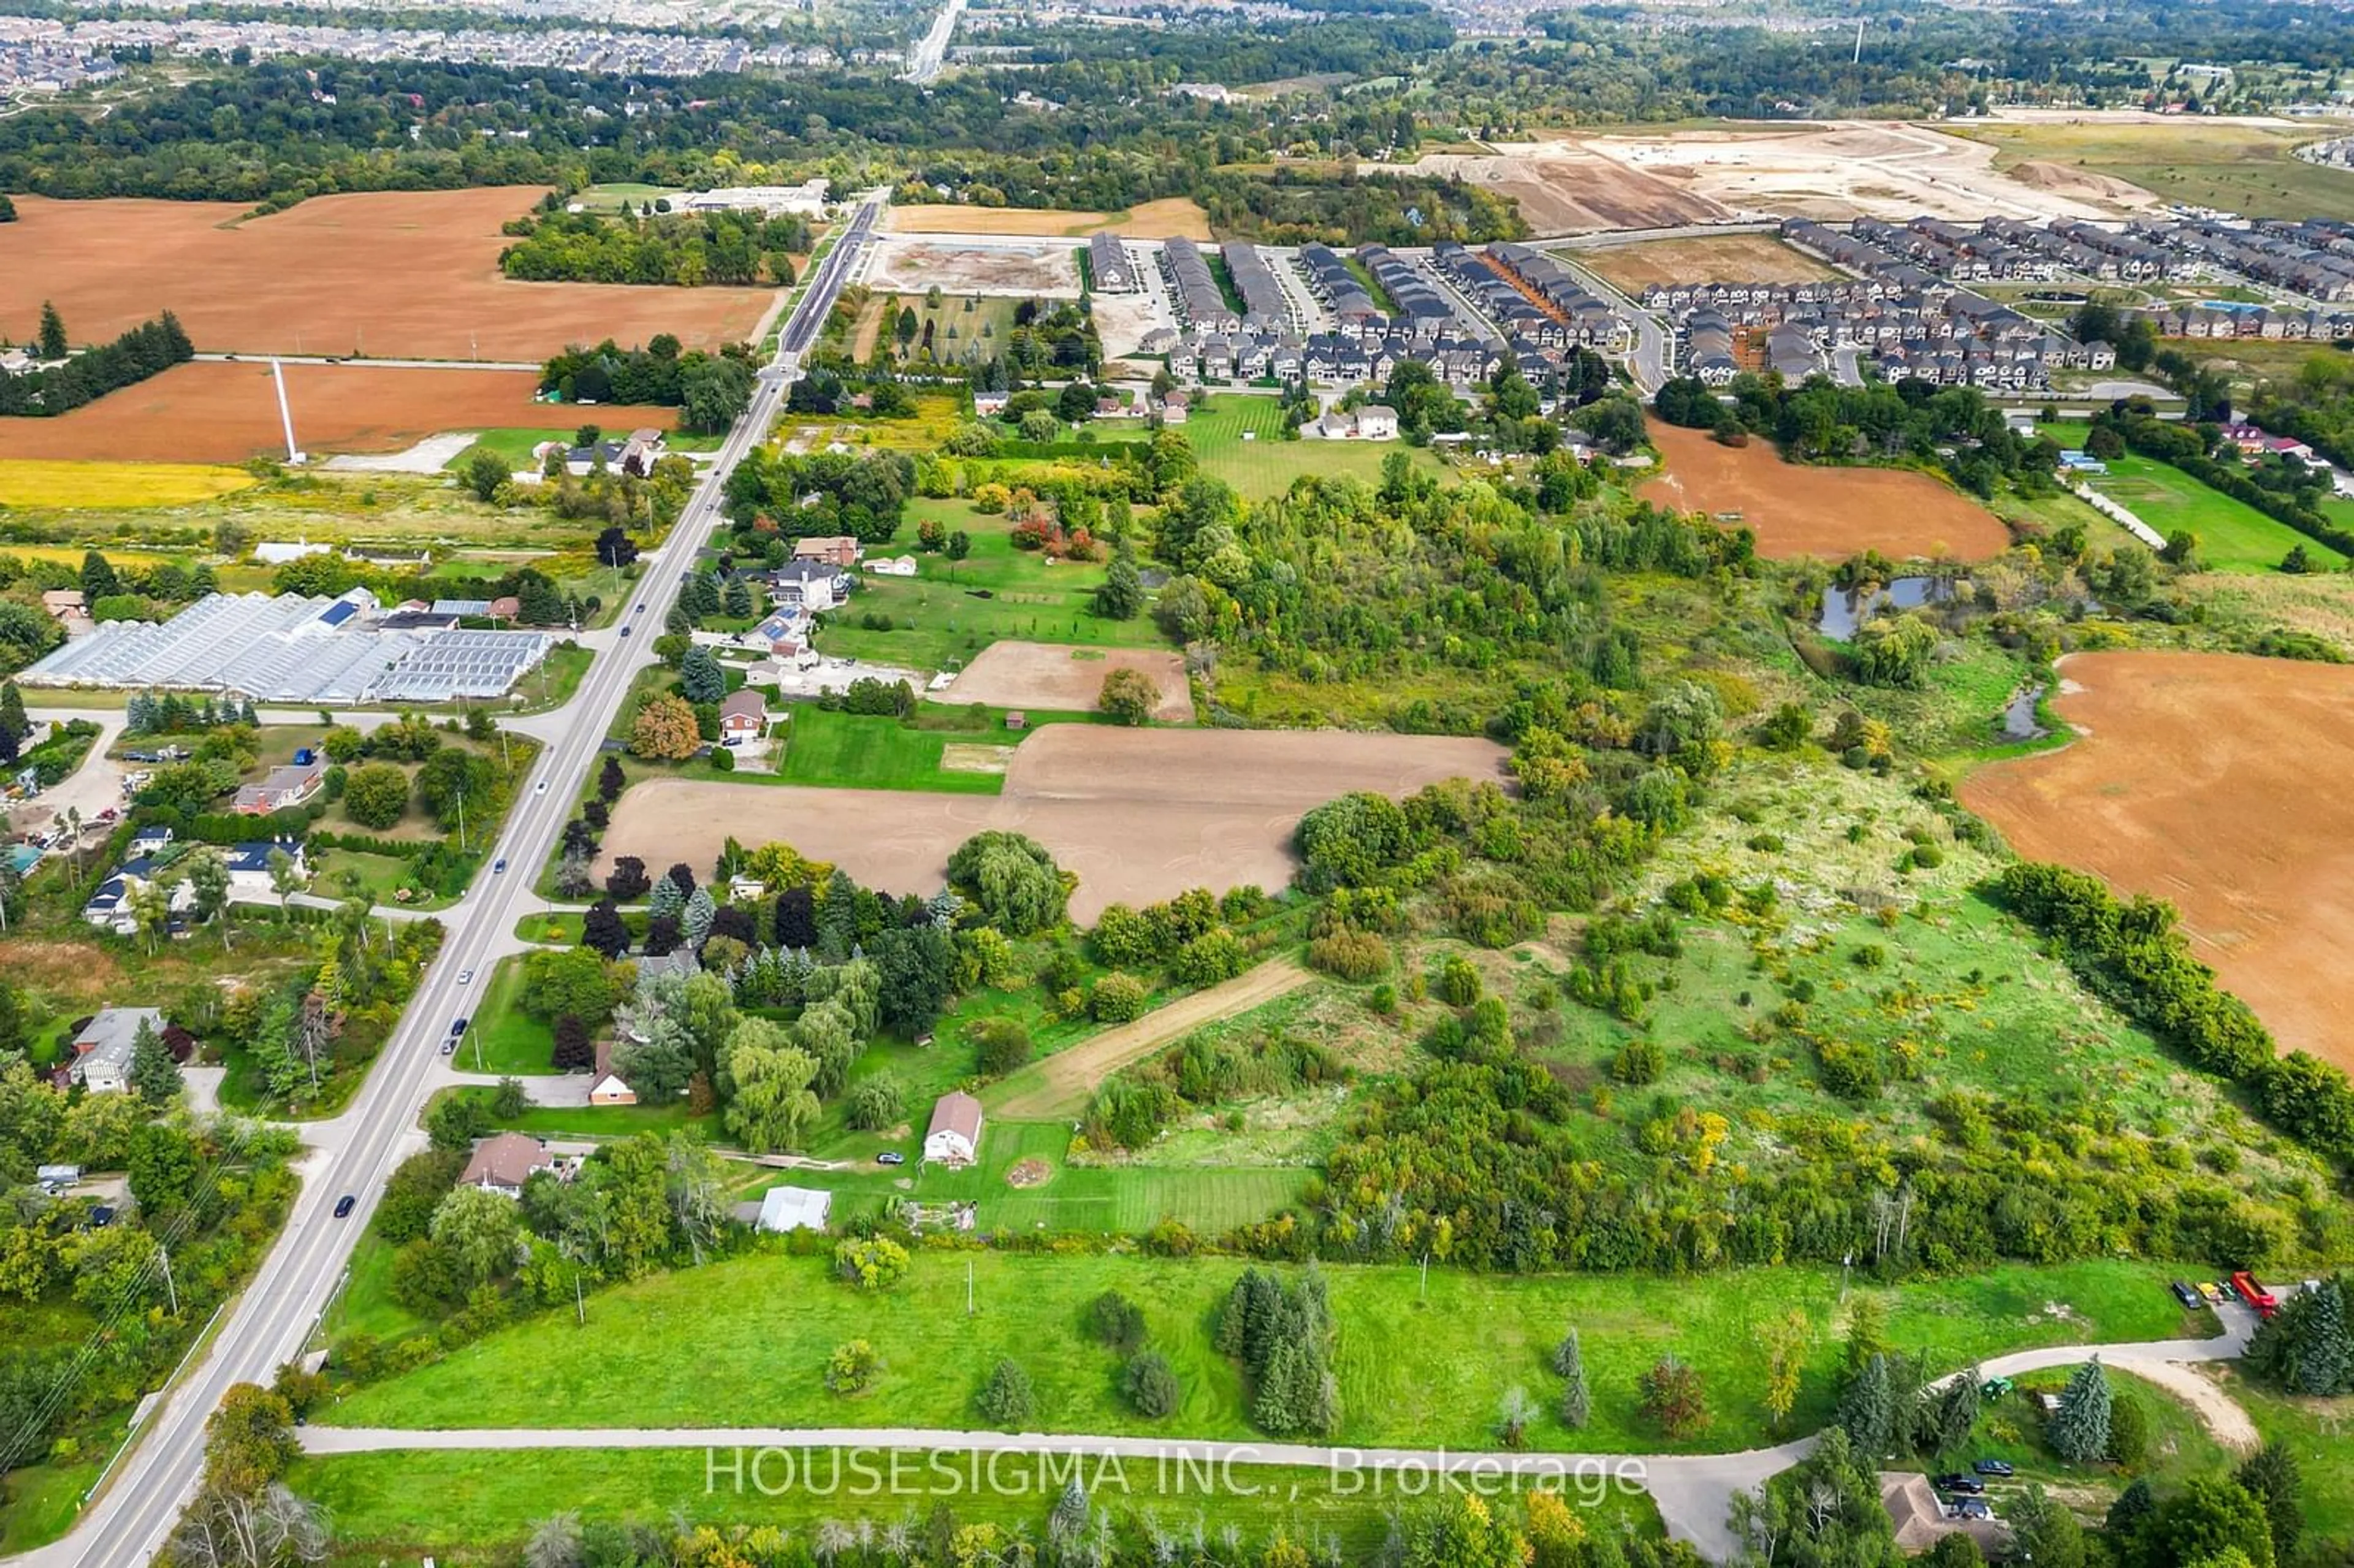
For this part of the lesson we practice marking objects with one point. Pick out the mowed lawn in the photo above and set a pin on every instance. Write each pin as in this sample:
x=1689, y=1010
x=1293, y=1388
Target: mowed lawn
x=950, y=610
x=1421, y=1363
x=2232, y=535
x=1239, y=438
x=1022, y=1184
x=858, y=751
x=462, y=1501
x=501, y=1037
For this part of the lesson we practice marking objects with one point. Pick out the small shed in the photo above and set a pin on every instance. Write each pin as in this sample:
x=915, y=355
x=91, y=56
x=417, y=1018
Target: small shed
x=795, y=1209
x=1015, y=719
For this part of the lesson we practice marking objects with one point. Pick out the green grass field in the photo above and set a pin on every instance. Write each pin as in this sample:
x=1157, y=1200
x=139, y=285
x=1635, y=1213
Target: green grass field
x=501, y=1037
x=853, y=751
x=953, y=610
x=2232, y=535
x=2314, y=1430
x=2238, y=168
x=1421, y=1363
x=404, y=1503
x=1240, y=439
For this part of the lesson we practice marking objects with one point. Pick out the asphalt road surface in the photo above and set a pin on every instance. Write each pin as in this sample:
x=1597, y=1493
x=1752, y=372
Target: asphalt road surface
x=271, y=1322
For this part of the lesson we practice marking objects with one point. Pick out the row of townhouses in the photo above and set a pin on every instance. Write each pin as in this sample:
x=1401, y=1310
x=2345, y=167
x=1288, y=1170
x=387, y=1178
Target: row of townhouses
x=2288, y=256
x=1950, y=336
x=1528, y=294
x=1954, y=250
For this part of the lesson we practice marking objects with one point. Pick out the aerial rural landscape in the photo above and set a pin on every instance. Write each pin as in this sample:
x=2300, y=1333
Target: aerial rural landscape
x=1300, y=784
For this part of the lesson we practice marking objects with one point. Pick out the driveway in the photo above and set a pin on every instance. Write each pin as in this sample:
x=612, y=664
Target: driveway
x=1693, y=1492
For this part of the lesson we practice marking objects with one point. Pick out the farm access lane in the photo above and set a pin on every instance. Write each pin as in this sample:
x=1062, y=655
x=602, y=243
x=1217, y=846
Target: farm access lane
x=271, y=1322
x=1693, y=1492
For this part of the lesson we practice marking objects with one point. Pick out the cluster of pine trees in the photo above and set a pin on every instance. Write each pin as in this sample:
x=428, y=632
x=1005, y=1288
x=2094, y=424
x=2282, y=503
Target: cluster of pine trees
x=148, y=349
x=2305, y=1347
x=1284, y=1341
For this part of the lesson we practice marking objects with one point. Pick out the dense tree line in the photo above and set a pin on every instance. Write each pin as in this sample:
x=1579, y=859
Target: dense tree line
x=738, y=249
x=711, y=390
x=863, y=495
x=148, y=349
x=1905, y=421
x=2133, y=956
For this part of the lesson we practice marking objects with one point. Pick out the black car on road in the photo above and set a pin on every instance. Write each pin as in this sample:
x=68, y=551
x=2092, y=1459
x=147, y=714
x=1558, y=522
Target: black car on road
x=345, y=1205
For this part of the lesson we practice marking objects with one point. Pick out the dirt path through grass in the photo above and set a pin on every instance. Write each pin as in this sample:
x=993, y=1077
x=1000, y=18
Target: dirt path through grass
x=1060, y=1084
x=2221, y=1414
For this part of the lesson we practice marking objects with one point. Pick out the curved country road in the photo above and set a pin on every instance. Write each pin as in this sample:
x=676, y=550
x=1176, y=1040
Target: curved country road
x=1693, y=1491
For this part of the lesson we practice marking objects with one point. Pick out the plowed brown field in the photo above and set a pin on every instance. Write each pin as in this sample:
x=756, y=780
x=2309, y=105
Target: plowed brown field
x=214, y=411
x=1141, y=815
x=2212, y=780
x=392, y=274
x=1799, y=510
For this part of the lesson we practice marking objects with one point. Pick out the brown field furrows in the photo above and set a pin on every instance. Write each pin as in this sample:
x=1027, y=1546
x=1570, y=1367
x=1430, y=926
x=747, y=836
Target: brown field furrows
x=404, y=274
x=2210, y=780
x=217, y=411
x=1056, y=676
x=1139, y=815
x=1800, y=510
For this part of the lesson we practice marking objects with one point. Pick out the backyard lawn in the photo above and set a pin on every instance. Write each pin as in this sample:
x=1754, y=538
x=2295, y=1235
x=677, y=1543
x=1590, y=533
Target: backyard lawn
x=952, y=610
x=1421, y=1362
x=2232, y=535
x=857, y=751
x=1239, y=438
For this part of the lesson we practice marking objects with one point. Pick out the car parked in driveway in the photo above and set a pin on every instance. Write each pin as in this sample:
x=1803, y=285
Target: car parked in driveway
x=890, y=1157
x=1973, y=1507
x=2186, y=1294
x=1966, y=1485
x=1992, y=1467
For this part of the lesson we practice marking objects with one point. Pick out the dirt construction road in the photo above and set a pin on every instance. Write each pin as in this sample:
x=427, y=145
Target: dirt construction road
x=1139, y=815
x=2212, y=780
x=1061, y=1084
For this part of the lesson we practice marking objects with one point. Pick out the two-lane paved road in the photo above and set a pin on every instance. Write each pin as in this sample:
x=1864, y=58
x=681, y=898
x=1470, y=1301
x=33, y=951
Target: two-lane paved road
x=273, y=1319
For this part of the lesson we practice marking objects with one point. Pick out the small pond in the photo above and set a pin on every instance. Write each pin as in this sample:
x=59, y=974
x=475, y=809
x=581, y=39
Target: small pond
x=2018, y=717
x=1844, y=609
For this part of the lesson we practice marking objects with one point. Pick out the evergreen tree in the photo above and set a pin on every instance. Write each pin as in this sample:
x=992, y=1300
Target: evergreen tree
x=1068, y=1522
x=1120, y=596
x=2079, y=1429
x=1576, y=1400
x=694, y=919
x=1958, y=1411
x=740, y=597
x=12, y=711
x=155, y=1077
x=837, y=918
x=700, y=679
x=53, y=332
x=2134, y=1504
x=611, y=780
x=665, y=899
x=2271, y=1476
x=1866, y=1410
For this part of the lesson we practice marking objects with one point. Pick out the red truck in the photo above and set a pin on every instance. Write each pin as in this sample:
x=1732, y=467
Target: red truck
x=2254, y=1295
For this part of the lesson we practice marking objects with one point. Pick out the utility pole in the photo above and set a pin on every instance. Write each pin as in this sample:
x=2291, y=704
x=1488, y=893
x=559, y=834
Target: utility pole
x=169, y=1284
